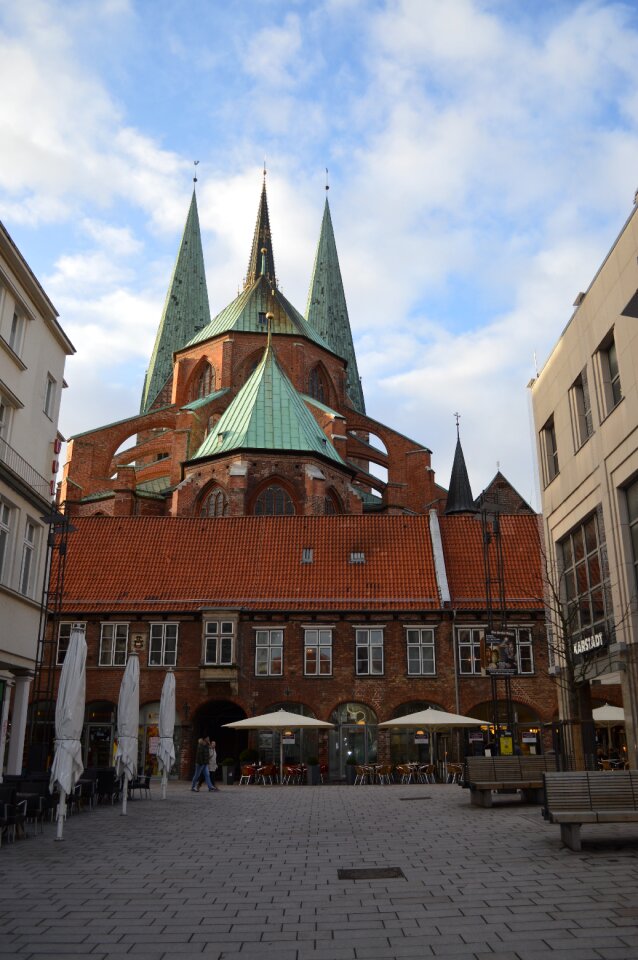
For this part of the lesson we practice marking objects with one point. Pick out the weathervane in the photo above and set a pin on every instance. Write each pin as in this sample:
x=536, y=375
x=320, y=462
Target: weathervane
x=457, y=417
x=327, y=184
x=195, y=162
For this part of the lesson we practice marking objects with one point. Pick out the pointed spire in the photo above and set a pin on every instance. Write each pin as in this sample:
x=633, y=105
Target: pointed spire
x=185, y=312
x=327, y=311
x=261, y=240
x=459, y=498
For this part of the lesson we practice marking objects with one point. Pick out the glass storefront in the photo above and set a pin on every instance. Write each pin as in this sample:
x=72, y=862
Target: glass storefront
x=355, y=736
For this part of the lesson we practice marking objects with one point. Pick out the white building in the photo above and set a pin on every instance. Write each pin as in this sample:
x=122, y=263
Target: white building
x=585, y=404
x=33, y=351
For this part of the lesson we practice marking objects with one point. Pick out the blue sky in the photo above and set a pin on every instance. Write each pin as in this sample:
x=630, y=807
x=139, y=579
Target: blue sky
x=483, y=157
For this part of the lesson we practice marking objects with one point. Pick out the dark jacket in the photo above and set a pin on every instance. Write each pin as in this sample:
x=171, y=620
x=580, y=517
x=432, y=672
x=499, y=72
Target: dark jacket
x=202, y=753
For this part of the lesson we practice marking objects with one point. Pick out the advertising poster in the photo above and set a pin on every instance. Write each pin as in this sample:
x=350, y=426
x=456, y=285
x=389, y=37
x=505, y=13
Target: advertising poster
x=500, y=658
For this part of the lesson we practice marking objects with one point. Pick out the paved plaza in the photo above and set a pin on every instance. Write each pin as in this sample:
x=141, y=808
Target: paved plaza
x=253, y=872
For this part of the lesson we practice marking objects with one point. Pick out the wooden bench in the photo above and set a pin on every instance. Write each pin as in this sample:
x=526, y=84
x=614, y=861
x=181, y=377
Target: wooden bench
x=600, y=796
x=485, y=775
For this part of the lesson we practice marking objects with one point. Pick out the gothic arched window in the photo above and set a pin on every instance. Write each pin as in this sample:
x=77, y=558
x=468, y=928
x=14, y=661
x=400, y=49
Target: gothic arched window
x=215, y=504
x=205, y=383
x=332, y=505
x=318, y=386
x=274, y=502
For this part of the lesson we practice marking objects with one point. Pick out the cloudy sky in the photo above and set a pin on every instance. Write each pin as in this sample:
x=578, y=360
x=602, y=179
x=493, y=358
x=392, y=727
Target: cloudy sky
x=483, y=156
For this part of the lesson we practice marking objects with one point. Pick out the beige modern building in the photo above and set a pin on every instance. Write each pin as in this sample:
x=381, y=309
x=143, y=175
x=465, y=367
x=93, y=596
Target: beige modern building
x=585, y=403
x=33, y=351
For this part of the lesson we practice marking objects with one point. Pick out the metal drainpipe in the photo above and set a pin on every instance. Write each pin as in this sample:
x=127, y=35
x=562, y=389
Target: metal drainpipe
x=457, y=693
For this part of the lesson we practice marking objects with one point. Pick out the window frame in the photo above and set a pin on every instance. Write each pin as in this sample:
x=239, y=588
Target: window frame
x=579, y=566
x=420, y=645
x=114, y=643
x=219, y=636
x=7, y=514
x=266, y=651
x=474, y=643
x=581, y=410
x=367, y=648
x=16, y=331
x=319, y=645
x=50, y=393
x=269, y=495
x=608, y=369
x=29, y=561
x=60, y=653
x=549, y=451
x=167, y=657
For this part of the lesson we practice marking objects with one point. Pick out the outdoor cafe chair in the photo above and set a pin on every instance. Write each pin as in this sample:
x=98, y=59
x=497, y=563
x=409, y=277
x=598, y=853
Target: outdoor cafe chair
x=12, y=820
x=142, y=785
x=361, y=775
x=384, y=773
x=247, y=771
x=404, y=770
x=454, y=772
x=266, y=774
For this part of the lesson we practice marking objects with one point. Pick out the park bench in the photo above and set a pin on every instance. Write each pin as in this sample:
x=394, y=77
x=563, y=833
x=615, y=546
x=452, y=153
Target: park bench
x=600, y=796
x=486, y=775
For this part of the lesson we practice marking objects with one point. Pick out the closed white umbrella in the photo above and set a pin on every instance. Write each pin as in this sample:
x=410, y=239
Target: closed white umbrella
x=69, y=720
x=128, y=721
x=166, y=748
x=279, y=720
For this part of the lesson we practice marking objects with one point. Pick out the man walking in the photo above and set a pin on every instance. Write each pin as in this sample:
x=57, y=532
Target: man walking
x=201, y=764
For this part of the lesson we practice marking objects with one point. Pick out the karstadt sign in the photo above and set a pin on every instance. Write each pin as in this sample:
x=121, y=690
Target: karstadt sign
x=587, y=644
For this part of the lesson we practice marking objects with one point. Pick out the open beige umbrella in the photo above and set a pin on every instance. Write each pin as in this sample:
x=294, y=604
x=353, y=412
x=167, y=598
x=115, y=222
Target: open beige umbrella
x=279, y=720
x=434, y=720
x=608, y=715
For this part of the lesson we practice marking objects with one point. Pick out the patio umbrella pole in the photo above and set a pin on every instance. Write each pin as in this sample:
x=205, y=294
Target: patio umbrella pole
x=61, y=815
x=164, y=782
x=124, y=794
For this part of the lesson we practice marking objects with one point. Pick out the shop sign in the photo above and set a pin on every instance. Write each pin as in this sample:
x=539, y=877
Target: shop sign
x=587, y=644
x=506, y=745
x=422, y=738
x=287, y=739
x=153, y=745
x=476, y=737
x=528, y=737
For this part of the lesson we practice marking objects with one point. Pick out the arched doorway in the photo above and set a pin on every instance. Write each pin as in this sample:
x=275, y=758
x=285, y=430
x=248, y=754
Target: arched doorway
x=208, y=721
x=355, y=736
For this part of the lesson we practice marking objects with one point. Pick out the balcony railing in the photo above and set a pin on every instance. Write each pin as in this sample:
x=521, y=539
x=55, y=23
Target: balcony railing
x=23, y=469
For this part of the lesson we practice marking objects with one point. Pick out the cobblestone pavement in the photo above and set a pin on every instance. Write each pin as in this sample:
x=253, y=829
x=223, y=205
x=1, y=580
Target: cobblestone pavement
x=253, y=872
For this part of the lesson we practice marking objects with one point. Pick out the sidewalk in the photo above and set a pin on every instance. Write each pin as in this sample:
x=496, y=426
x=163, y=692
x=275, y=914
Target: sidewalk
x=251, y=872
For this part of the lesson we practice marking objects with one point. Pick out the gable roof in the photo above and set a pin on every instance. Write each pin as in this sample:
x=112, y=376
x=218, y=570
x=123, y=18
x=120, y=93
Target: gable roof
x=174, y=563
x=267, y=414
x=327, y=311
x=186, y=308
x=462, y=539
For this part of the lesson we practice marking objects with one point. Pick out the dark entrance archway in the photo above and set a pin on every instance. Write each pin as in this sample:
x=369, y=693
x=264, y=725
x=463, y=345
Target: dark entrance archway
x=208, y=721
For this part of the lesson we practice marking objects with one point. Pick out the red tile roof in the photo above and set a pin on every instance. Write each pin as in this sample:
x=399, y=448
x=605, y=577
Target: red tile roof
x=166, y=563
x=174, y=563
x=462, y=538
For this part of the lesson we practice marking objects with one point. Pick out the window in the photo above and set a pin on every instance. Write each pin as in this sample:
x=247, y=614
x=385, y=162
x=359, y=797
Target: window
x=215, y=504
x=525, y=650
x=113, y=644
x=49, y=397
x=5, y=539
x=580, y=407
x=205, y=383
x=219, y=642
x=369, y=644
x=269, y=653
x=317, y=652
x=16, y=334
x=64, y=636
x=469, y=647
x=631, y=494
x=549, y=451
x=317, y=386
x=29, y=547
x=357, y=556
x=5, y=420
x=163, y=645
x=420, y=643
x=609, y=374
x=274, y=501
x=584, y=603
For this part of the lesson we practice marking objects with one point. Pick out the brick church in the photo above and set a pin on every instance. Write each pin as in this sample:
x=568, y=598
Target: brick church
x=253, y=529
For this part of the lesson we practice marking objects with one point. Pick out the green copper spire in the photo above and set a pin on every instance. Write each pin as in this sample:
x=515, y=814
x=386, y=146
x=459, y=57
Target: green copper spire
x=268, y=414
x=262, y=261
x=327, y=311
x=186, y=309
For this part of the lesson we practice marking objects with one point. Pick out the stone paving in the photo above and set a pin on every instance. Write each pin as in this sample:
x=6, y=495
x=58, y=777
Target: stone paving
x=252, y=872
